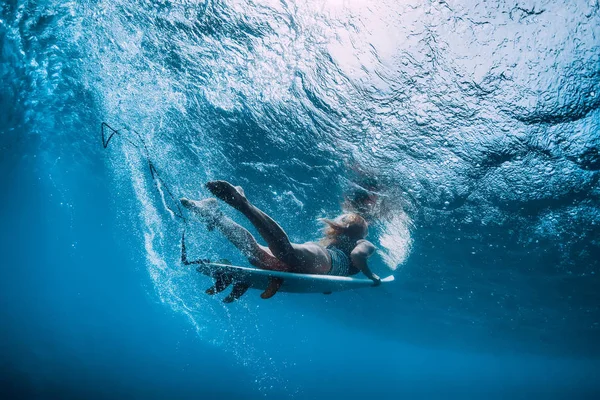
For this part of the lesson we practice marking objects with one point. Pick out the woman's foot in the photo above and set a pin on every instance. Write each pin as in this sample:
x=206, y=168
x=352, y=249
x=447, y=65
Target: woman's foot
x=232, y=195
x=207, y=210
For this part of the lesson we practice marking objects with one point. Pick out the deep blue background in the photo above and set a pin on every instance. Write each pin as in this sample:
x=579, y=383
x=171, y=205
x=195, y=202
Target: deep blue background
x=78, y=321
x=81, y=321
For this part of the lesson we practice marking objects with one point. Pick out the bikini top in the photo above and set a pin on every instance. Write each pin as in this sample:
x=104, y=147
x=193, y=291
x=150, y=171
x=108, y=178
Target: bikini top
x=351, y=268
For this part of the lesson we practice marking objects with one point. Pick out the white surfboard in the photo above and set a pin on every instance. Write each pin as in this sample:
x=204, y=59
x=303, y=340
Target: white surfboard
x=292, y=282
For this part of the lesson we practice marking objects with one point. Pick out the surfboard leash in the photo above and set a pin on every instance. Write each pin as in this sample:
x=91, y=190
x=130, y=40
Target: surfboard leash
x=184, y=258
x=108, y=132
x=143, y=148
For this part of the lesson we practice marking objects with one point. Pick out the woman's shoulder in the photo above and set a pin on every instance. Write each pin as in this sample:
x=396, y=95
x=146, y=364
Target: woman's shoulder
x=364, y=242
x=364, y=246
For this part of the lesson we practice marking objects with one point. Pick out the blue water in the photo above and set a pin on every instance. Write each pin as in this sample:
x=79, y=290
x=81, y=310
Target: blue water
x=479, y=120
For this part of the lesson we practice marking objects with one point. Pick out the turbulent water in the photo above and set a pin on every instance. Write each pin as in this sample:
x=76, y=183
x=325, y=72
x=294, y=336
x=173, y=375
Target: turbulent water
x=478, y=120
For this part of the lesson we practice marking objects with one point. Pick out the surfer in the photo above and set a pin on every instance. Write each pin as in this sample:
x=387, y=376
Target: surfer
x=342, y=252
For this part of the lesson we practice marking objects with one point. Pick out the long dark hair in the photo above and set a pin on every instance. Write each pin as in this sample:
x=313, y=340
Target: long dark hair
x=344, y=230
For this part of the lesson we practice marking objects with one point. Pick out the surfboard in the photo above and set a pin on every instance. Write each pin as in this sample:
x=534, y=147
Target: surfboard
x=292, y=282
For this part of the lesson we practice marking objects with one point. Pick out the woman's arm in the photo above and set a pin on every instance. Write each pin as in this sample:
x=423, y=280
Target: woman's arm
x=359, y=255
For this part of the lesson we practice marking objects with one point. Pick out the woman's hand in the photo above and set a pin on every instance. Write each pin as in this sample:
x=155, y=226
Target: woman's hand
x=376, y=280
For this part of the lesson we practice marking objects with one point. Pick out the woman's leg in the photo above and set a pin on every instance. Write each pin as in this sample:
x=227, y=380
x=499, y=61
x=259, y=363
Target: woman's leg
x=238, y=235
x=273, y=234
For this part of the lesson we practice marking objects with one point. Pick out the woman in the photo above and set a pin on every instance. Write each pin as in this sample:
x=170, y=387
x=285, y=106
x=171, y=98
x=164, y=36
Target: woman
x=342, y=252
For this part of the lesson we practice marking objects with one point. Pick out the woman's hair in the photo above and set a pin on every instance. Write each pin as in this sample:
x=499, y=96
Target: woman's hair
x=351, y=227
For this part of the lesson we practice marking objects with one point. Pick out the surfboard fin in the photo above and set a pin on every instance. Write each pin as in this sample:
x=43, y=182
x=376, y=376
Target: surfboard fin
x=238, y=291
x=222, y=281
